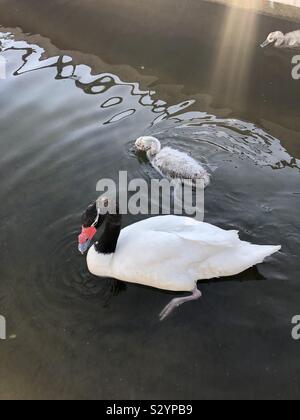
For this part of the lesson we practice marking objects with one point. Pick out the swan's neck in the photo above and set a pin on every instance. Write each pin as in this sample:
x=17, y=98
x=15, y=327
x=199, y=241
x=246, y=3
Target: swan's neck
x=108, y=242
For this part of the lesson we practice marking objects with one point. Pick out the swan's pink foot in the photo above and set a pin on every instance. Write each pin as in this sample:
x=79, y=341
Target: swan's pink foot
x=175, y=303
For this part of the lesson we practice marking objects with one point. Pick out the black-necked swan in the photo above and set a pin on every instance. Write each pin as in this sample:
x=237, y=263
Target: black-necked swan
x=171, y=163
x=281, y=40
x=165, y=252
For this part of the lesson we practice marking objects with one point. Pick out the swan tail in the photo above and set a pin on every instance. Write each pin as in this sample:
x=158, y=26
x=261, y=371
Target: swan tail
x=261, y=252
x=252, y=255
x=231, y=261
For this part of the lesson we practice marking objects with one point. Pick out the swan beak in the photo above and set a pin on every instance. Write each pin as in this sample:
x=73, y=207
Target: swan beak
x=82, y=248
x=266, y=43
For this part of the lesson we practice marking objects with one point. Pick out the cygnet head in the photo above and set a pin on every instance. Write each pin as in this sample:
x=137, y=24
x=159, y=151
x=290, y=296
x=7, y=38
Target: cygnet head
x=277, y=38
x=151, y=145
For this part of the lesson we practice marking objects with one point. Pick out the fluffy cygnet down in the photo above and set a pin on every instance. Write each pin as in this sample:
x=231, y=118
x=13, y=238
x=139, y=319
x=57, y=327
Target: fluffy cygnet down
x=172, y=163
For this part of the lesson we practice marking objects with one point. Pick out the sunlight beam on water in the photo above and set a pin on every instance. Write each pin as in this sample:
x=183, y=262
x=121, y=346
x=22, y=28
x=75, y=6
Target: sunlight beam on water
x=236, y=49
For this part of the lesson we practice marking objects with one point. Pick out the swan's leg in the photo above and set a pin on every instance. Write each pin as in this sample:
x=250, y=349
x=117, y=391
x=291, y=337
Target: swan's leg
x=175, y=303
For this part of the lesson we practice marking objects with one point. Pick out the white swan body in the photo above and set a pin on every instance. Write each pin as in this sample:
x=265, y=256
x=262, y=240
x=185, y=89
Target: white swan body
x=172, y=163
x=173, y=253
x=281, y=40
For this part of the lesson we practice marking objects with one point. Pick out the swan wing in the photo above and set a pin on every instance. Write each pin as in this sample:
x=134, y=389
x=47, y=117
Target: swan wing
x=188, y=229
x=167, y=252
x=158, y=259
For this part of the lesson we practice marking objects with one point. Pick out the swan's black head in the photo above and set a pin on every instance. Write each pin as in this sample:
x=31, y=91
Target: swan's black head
x=91, y=222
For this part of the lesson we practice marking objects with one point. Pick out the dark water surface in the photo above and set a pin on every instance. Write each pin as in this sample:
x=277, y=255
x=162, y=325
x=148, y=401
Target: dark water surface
x=69, y=115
